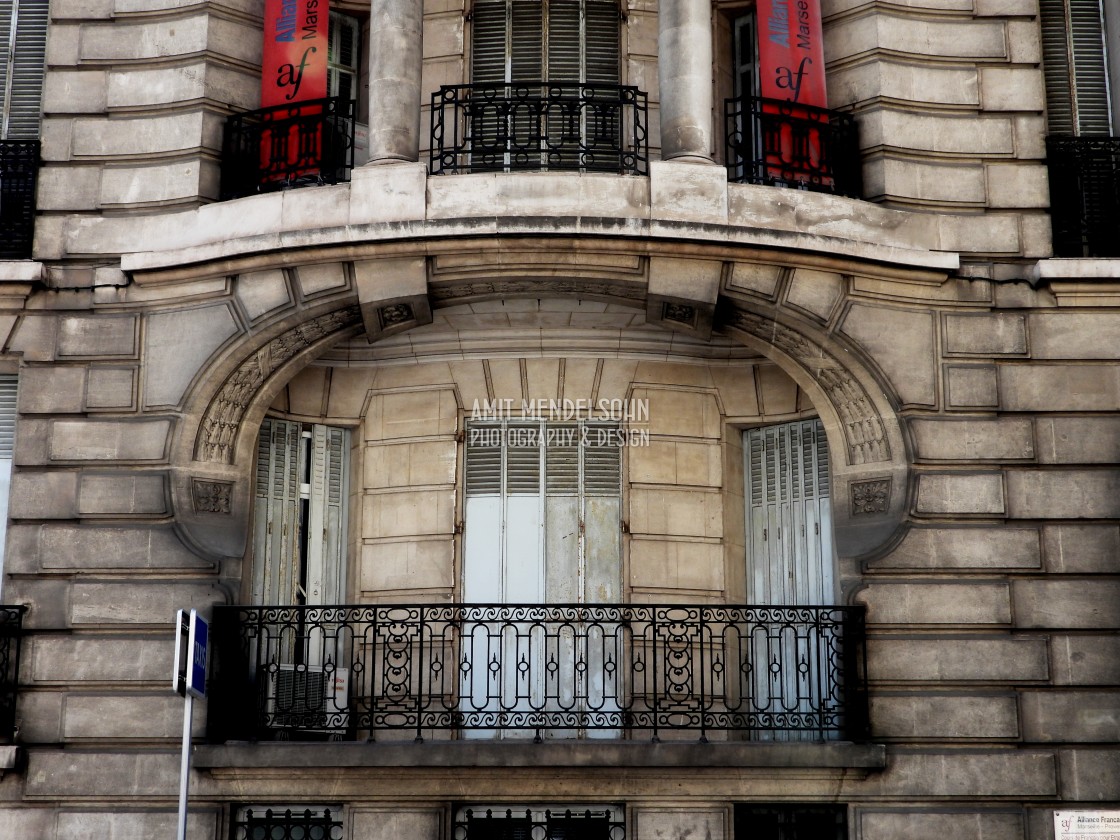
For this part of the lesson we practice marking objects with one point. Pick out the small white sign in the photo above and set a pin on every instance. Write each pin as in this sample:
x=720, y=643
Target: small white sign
x=1087, y=825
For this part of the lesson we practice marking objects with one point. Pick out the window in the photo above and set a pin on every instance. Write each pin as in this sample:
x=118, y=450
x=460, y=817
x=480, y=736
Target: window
x=789, y=521
x=287, y=823
x=542, y=513
x=300, y=516
x=539, y=823
x=23, y=34
x=343, y=38
x=1075, y=67
x=7, y=448
x=791, y=822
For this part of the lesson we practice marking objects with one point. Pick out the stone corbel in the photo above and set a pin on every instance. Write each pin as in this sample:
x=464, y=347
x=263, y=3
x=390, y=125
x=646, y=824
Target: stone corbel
x=393, y=294
x=682, y=294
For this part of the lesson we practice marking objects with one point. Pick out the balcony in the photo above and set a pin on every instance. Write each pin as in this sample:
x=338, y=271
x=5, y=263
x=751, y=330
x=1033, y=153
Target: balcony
x=19, y=170
x=783, y=144
x=11, y=630
x=538, y=671
x=539, y=126
x=285, y=146
x=1085, y=195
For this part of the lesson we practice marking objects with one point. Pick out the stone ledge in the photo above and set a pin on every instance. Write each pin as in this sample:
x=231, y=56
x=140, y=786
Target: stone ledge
x=792, y=755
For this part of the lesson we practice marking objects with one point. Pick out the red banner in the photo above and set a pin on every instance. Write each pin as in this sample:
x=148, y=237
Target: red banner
x=790, y=52
x=294, y=66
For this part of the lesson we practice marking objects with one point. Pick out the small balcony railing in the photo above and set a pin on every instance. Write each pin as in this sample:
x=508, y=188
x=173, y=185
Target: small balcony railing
x=539, y=126
x=534, y=824
x=1084, y=195
x=784, y=144
x=301, y=144
x=19, y=172
x=530, y=671
x=11, y=631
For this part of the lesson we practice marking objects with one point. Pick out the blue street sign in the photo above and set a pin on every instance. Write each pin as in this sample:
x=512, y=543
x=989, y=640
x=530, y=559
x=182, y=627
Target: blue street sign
x=198, y=645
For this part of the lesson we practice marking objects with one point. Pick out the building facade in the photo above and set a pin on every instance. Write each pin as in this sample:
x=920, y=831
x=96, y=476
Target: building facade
x=563, y=438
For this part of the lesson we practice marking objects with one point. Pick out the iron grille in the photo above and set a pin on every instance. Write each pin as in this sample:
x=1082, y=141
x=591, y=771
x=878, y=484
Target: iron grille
x=11, y=631
x=285, y=146
x=791, y=822
x=536, y=670
x=19, y=172
x=532, y=824
x=286, y=824
x=539, y=126
x=1085, y=195
x=785, y=144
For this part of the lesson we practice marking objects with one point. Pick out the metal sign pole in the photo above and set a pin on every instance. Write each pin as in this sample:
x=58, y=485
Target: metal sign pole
x=188, y=678
x=185, y=766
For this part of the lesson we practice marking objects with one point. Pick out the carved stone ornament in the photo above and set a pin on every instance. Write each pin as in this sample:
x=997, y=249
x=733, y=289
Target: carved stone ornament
x=679, y=313
x=398, y=313
x=860, y=420
x=871, y=496
x=546, y=288
x=218, y=433
x=211, y=496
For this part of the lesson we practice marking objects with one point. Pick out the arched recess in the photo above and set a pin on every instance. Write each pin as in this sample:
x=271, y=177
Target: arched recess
x=214, y=449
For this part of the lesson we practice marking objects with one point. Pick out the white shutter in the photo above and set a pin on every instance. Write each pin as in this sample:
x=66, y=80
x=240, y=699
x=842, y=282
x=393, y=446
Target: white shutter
x=789, y=522
x=23, y=36
x=1075, y=67
x=342, y=56
x=276, y=520
x=326, y=517
x=8, y=384
x=601, y=36
x=488, y=41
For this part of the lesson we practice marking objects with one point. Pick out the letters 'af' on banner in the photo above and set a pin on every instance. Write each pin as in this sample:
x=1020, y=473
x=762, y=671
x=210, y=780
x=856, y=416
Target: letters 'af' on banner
x=790, y=52
x=294, y=65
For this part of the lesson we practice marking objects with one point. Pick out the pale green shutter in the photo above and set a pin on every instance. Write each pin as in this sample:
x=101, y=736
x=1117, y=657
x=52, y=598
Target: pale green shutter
x=276, y=518
x=23, y=37
x=342, y=56
x=326, y=516
x=8, y=384
x=1075, y=68
x=789, y=522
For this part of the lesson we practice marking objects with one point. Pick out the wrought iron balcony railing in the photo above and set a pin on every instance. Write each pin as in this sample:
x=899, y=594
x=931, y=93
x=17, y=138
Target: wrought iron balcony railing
x=784, y=144
x=287, y=824
x=530, y=824
x=19, y=172
x=1084, y=195
x=11, y=631
x=286, y=146
x=539, y=126
x=538, y=670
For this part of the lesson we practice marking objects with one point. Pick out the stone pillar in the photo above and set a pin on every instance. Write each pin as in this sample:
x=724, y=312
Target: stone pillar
x=684, y=70
x=396, y=33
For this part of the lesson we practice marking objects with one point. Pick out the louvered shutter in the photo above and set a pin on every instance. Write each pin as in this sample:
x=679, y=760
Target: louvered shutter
x=7, y=449
x=23, y=34
x=326, y=516
x=789, y=522
x=601, y=483
x=342, y=56
x=1075, y=67
x=276, y=565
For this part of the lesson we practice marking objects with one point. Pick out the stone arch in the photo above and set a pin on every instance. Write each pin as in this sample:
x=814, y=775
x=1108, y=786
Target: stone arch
x=213, y=449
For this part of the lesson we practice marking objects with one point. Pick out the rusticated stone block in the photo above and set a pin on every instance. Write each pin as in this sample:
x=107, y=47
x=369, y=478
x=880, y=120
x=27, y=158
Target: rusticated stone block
x=105, y=440
x=262, y=292
x=1063, y=494
x=1078, y=440
x=915, y=825
x=971, y=386
x=98, y=716
x=408, y=565
x=1085, y=660
x=1040, y=387
x=679, y=823
x=943, y=716
x=1071, y=716
x=1075, y=335
x=131, y=602
x=1090, y=775
x=1074, y=604
x=964, y=548
x=981, y=659
x=202, y=822
x=51, y=390
x=391, y=824
x=111, y=389
x=401, y=514
x=1013, y=773
x=937, y=603
x=974, y=440
x=985, y=335
x=44, y=495
x=58, y=774
x=665, y=565
x=177, y=344
x=114, y=495
x=27, y=822
x=1082, y=548
x=103, y=335
x=98, y=659
x=902, y=342
x=960, y=493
